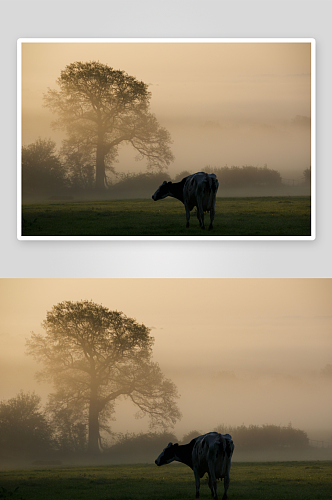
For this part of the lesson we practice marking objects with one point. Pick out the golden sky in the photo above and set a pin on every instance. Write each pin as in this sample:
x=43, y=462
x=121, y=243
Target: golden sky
x=249, y=89
x=273, y=335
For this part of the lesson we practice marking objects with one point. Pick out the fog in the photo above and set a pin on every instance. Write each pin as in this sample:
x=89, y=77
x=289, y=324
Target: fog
x=241, y=351
x=223, y=103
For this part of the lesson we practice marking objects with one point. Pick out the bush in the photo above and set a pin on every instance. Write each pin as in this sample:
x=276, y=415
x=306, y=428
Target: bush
x=189, y=436
x=247, y=176
x=42, y=170
x=139, y=447
x=141, y=185
x=24, y=430
x=266, y=437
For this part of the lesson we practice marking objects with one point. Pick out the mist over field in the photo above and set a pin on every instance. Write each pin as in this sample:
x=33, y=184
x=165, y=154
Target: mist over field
x=242, y=352
x=223, y=104
x=283, y=145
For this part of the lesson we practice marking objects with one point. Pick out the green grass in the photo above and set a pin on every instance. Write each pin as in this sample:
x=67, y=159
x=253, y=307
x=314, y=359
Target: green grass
x=266, y=481
x=269, y=216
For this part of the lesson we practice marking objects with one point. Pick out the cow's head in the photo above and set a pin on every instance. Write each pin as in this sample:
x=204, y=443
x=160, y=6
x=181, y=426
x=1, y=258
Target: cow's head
x=168, y=455
x=162, y=191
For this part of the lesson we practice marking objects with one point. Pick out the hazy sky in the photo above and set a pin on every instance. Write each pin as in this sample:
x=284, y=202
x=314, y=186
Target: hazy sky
x=272, y=337
x=223, y=103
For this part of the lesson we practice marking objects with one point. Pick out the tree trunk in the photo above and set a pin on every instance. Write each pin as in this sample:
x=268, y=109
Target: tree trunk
x=100, y=160
x=93, y=440
x=100, y=167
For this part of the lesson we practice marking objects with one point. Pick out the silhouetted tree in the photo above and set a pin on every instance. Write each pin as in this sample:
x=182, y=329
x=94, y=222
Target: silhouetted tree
x=93, y=356
x=138, y=185
x=307, y=175
x=143, y=447
x=302, y=121
x=327, y=371
x=256, y=437
x=24, y=429
x=247, y=176
x=42, y=170
x=100, y=108
x=69, y=427
x=190, y=435
x=181, y=175
x=80, y=168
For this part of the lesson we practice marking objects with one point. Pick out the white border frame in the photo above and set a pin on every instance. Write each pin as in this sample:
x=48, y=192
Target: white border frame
x=312, y=41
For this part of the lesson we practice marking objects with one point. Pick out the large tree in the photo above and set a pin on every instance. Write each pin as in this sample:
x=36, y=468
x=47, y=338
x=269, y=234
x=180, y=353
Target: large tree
x=94, y=356
x=100, y=108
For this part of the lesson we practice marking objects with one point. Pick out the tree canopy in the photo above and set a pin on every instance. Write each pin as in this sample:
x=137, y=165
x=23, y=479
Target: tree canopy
x=100, y=108
x=93, y=356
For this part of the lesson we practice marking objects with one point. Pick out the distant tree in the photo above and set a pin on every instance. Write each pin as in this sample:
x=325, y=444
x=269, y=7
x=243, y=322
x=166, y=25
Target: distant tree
x=256, y=437
x=101, y=108
x=140, y=447
x=190, y=435
x=327, y=371
x=42, y=170
x=224, y=429
x=181, y=175
x=141, y=185
x=24, y=429
x=246, y=176
x=307, y=175
x=302, y=121
x=93, y=356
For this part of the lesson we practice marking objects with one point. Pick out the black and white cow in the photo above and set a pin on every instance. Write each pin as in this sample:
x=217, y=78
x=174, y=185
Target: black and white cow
x=196, y=190
x=211, y=453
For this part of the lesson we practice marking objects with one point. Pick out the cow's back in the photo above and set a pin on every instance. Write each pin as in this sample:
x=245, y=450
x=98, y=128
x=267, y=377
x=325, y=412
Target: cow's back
x=212, y=449
x=193, y=188
x=208, y=449
x=201, y=185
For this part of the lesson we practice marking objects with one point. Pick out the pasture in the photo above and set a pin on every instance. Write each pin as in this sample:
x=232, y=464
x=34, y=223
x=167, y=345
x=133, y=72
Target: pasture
x=260, y=216
x=263, y=480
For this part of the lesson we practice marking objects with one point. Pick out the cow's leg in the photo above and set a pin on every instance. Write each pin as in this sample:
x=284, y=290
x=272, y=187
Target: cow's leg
x=213, y=482
x=198, y=483
x=200, y=213
x=202, y=220
x=212, y=212
x=213, y=490
x=226, y=485
x=211, y=218
x=187, y=214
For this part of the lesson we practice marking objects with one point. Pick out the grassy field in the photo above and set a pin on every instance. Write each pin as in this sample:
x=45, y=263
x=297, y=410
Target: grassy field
x=266, y=481
x=269, y=216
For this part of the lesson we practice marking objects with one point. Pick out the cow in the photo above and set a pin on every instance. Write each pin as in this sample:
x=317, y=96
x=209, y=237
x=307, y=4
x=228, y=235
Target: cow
x=196, y=190
x=211, y=453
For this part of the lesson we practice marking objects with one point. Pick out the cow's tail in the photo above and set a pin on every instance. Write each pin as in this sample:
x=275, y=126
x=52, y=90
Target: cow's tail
x=221, y=445
x=229, y=447
x=213, y=185
x=225, y=445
